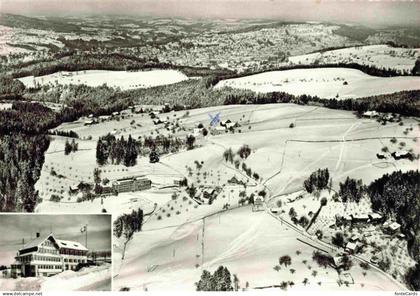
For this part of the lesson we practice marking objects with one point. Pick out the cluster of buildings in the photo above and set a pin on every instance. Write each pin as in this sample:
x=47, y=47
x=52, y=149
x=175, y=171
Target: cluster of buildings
x=354, y=244
x=46, y=256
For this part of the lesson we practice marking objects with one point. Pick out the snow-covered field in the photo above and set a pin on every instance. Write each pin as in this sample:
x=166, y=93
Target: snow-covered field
x=97, y=278
x=340, y=83
x=122, y=79
x=381, y=56
x=169, y=251
x=248, y=243
x=282, y=156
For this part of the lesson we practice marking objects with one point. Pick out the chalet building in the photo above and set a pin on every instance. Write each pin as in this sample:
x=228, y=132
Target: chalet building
x=391, y=227
x=359, y=218
x=353, y=247
x=375, y=218
x=258, y=204
x=370, y=114
x=88, y=122
x=47, y=256
x=103, y=118
x=401, y=154
x=178, y=182
x=381, y=155
x=135, y=183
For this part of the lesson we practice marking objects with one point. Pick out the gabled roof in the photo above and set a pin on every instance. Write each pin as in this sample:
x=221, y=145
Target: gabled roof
x=36, y=242
x=71, y=245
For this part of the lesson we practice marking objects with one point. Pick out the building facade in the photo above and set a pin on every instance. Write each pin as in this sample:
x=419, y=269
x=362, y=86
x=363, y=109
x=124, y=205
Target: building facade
x=136, y=183
x=47, y=256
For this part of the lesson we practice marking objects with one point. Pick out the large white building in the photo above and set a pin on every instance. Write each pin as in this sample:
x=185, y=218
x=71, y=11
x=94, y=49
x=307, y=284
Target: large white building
x=47, y=256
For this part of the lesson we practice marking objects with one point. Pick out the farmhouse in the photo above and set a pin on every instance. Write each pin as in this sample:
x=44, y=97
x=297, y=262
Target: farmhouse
x=370, y=114
x=88, y=122
x=5, y=106
x=197, y=131
x=135, y=183
x=391, y=227
x=353, y=247
x=46, y=256
x=381, y=155
x=375, y=218
x=225, y=122
x=157, y=121
x=359, y=218
x=275, y=210
x=218, y=130
x=258, y=204
x=179, y=182
x=338, y=261
x=401, y=154
x=104, y=118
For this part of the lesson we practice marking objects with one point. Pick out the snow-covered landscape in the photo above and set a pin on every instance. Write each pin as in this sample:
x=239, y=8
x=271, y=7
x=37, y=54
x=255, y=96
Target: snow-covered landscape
x=122, y=79
x=339, y=83
x=263, y=146
x=88, y=279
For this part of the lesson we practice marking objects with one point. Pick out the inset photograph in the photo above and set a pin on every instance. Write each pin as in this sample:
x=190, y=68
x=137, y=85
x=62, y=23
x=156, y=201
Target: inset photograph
x=55, y=252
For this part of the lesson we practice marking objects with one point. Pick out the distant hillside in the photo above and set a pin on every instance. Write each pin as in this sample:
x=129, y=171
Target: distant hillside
x=24, y=22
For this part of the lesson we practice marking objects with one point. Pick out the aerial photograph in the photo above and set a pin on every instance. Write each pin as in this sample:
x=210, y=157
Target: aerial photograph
x=210, y=145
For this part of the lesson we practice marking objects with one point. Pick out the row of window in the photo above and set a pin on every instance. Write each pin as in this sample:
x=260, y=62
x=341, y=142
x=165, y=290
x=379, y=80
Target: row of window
x=26, y=259
x=49, y=251
x=74, y=260
x=47, y=258
x=58, y=267
x=72, y=252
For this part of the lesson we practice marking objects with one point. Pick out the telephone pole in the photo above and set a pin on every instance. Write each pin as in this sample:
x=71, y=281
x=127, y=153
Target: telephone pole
x=86, y=238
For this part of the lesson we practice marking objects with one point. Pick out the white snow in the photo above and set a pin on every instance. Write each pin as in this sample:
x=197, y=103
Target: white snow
x=122, y=79
x=97, y=278
x=323, y=82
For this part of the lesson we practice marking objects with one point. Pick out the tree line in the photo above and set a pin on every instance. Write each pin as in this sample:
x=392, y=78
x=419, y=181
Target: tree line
x=109, y=149
x=404, y=103
x=116, y=151
x=127, y=224
x=220, y=280
x=21, y=160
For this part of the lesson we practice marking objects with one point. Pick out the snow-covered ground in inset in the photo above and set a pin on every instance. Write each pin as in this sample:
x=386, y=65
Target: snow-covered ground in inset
x=323, y=82
x=122, y=79
x=97, y=278
x=381, y=56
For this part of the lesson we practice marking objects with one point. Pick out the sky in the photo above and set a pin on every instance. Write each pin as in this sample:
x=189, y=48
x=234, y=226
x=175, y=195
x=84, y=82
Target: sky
x=368, y=12
x=15, y=227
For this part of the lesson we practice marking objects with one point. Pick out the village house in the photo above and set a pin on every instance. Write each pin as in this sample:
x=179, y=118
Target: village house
x=46, y=256
x=197, y=131
x=370, y=114
x=275, y=210
x=103, y=118
x=381, y=155
x=375, y=218
x=401, y=154
x=338, y=261
x=353, y=247
x=359, y=218
x=128, y=184
x=391, y=227
x=88, y=122
x=258, y=204
x=179, y=182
